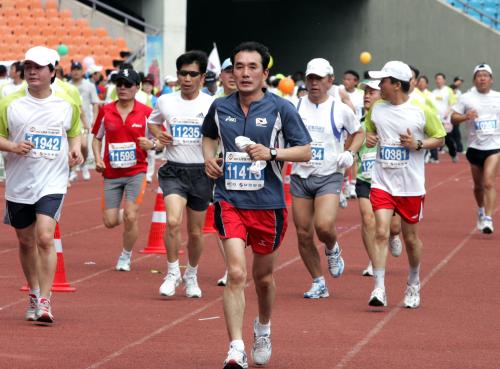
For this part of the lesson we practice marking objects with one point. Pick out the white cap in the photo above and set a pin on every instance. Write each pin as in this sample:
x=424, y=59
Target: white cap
x=395, y=69
x=94, y=69
x=481, y=67
x=372, y=83
x=320, y=67
x=170, y=79
x=40, y=55
x=226, y=64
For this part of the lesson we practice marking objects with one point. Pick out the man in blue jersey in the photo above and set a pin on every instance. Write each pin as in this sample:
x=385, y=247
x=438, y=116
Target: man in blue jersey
x=257, y=131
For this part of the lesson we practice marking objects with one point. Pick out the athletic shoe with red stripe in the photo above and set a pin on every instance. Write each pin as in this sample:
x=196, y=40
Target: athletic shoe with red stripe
x=44, y=311
x=236, y=359
x=31, y=311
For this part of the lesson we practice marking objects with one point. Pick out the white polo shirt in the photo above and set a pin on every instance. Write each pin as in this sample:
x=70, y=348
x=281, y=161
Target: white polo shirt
x=325, y=123
x=183, y=120
x=398, y=170
x=484, y=131
x=47, y=123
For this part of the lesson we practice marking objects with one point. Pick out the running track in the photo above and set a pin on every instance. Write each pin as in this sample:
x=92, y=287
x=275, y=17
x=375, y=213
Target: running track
x=118, y=320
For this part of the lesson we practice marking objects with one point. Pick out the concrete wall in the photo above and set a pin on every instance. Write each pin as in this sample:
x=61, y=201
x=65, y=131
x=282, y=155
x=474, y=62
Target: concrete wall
x=427, y=33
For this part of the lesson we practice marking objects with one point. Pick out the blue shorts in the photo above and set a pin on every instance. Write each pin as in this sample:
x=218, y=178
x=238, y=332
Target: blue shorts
x=21, y=216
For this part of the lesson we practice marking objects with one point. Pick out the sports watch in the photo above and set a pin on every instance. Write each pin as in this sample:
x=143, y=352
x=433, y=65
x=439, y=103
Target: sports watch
x=274, y=153
x=420, y=144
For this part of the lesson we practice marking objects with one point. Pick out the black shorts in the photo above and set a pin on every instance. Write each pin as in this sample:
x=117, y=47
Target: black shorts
x=188, y=181
x=363, y=188
x=21, y=216
x=478, y=157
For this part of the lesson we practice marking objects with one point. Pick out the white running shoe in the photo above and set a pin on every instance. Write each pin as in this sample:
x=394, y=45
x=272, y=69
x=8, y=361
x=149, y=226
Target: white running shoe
x=396, y=245
x=317, y=291
x=352, y=191
x=123, y=263
x=44, y=311
x=222, y=281
x=31, y=311
x=72, y=175
x=262, y=348
x=343, y=201
x=85, y=172
x=236, y=359
x=368, y=272
x=412, y=296
x=191, y=285
x=487, y=226
x=479, y=223
x=170, y=283
x=335, y=261
x=378, y=297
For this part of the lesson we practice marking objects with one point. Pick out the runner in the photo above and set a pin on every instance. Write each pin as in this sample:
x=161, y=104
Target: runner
x=123, y=125
x=40, y=131
x=316, y=184
x=402, y=129
x=183, y=179
x=480, y=109
x=366, y=158
x=257, y=131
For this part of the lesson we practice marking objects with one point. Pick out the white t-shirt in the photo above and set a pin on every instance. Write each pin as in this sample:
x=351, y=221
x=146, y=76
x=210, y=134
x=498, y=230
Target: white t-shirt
x=89, y=97
x=47, y=123
x=10, y=88
x=444, y=98
x=397, y=170
x=334, y=91
x=183, y=120
x=484, y=131
x=356, y=97
x=326, y=144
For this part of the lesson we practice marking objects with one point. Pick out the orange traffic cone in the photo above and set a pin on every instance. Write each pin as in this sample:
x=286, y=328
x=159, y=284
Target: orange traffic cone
x=286, y=183
x=60, y=284
x=209, y=220
x=158, y=227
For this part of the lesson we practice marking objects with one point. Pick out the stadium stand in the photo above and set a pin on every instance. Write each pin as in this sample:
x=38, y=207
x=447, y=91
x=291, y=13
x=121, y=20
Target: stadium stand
x=486, y=11
x=26, y=23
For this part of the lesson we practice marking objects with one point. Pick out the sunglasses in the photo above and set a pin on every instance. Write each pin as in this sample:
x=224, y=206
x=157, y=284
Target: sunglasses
x=190, y=73
x=126, y=84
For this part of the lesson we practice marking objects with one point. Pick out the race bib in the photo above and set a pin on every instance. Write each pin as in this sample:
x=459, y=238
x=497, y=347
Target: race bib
x=237, y=173
x=46, y=142
x=186, y=131
x=367, y=161
x=318, y=155
x=486, y=125
x=393, y=155
x=122, y=155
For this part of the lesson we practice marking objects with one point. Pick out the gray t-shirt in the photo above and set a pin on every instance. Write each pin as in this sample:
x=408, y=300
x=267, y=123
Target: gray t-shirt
x=88, y=93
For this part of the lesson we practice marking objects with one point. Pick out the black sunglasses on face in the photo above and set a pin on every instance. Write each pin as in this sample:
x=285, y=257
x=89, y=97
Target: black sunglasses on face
x=124, y=83
x=190, y=73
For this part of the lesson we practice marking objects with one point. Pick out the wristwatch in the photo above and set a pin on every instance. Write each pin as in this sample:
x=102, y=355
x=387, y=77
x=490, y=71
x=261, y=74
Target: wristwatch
x=273, y=152
x=420, y=144
x=154, y=145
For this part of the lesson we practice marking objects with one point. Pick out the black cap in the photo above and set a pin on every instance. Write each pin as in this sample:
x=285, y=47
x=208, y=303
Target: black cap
x=210, y=77
x=301, y=88
x=458, y=78
x=128, y=75
x=149, y=79
x=76, y=65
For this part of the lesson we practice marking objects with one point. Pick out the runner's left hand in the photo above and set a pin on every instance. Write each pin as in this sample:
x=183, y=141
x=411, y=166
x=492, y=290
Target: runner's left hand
x=407, y=140
x=345, y=160
x=145, y=144
x=258, y=152
x=75, y=158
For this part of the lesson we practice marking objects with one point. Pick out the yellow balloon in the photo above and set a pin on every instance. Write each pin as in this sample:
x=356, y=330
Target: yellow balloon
x=365, y=57
x=271, y=62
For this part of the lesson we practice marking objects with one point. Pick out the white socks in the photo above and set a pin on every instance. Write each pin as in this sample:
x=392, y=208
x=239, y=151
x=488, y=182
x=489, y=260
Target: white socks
x=262, y=329
x=191, y=271
x=319, y=280
x=35, y=292
x=127, y=253
x=237, y=344
x=414, y=276
x=174, y=267
x=379, y=278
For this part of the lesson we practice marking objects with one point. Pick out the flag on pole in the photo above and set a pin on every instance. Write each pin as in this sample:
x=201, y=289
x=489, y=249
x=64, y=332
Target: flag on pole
x=214, y=61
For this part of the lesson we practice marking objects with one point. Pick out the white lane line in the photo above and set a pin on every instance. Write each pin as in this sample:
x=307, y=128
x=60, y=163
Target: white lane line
x=346, y=360
x=187, y=316
x=209, y=318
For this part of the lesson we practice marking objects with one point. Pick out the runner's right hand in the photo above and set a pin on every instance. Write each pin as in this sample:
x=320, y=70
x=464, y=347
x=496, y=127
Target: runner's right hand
x=371, y=140
x=99, y=166
x=165, y=138
x=22, y=147
x=213, y=168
